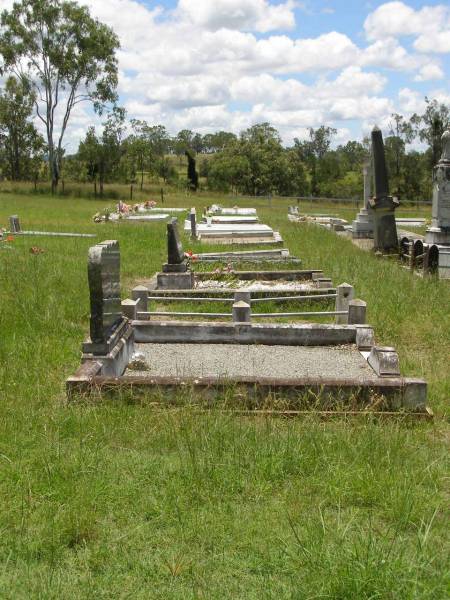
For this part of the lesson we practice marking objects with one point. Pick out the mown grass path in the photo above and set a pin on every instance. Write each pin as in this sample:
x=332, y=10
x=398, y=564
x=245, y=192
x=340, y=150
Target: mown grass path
x=119, y=501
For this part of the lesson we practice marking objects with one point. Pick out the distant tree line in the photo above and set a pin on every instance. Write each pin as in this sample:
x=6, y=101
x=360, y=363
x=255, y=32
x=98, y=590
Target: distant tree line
x=54, y=56
x=255, y=162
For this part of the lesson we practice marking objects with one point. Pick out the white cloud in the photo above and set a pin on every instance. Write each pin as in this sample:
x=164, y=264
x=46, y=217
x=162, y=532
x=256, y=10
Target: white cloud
x=428, y=72
x=396, y=19
x=227, y=64
x=251, y=15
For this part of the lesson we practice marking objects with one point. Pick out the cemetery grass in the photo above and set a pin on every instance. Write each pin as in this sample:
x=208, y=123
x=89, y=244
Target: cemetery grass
x=115, y=499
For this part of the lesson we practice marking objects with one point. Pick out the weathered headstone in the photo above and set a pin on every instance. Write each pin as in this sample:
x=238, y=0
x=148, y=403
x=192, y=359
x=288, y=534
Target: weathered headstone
x=383, y=205
x=439, y=232
x=176, y=261
x=104, y=290
x=14, y=224
x=175, y=275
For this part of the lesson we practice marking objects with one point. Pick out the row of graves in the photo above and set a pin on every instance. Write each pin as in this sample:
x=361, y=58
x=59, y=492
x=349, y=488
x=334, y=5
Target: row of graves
x=230, y=226
x=376, y=228
x=270, y=338
x=15, y=229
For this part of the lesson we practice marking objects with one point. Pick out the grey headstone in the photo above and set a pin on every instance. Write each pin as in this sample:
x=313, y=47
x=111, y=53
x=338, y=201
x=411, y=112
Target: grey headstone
x=14, y=224
x=383, y=205
x=175, y=254
x=104, y=289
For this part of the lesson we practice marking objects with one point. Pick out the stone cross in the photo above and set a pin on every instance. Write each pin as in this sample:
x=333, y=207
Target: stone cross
x=384, y=227
x=175, y=254
x=104, y=290
x=439, y=232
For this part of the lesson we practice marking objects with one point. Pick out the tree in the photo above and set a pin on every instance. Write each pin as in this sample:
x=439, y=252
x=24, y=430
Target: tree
x=65, y=57
x=401, y=132
x=183, y=142
x=431, y=125
x=22, y=147
x=313, y=150
x=102, y=154
x=192, y=174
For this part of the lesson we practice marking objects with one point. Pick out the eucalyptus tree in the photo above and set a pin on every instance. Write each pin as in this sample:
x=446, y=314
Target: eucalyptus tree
x=66, y=57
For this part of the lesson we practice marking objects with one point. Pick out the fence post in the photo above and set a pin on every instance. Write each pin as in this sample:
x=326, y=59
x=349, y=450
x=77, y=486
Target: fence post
x=344, y=295
x=131, y=193
x=357, y=312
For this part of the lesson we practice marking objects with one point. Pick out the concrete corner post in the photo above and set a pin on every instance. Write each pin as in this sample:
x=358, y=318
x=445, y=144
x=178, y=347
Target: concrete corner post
x=242, y=296
x=345, y=293
x=241, y=312
x=140, y=293
x=357, y=312
x=130, y=308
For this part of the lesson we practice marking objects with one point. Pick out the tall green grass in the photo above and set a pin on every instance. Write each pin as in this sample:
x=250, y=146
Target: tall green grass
x=115, y=500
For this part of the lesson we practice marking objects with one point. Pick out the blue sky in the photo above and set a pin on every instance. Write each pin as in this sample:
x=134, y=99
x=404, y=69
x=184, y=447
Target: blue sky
x=227, y=64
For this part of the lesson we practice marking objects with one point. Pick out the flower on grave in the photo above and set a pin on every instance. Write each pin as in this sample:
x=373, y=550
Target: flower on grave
x=10, y=238
x=194, y=257
x=123, y=208
x=36, y=250
x=188, y=254
x=136, y=207
x=229, y=268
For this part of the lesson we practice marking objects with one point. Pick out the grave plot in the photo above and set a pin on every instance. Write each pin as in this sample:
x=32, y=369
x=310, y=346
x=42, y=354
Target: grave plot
x=281, y=255
x=231, y=233
x=15, y=228
x=234, y=363
x=178, y=280
x=376, y=227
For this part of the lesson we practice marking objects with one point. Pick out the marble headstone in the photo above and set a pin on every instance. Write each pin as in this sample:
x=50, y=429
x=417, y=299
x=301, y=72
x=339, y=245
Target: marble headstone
x=383, y=205
x=104, y=290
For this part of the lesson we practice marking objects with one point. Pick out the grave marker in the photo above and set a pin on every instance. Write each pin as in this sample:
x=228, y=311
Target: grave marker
x=104, y=290
x=14, y=224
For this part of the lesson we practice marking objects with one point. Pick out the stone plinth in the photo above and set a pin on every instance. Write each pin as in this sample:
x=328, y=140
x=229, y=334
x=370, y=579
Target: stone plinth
x=175, y=281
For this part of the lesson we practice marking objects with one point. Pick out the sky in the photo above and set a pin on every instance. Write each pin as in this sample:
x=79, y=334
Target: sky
x=208, y=65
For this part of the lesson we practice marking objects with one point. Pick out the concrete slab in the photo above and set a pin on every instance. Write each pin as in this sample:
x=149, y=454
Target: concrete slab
x=220, y=229
x=217, y=210
x=231, y=361
x=236, y=219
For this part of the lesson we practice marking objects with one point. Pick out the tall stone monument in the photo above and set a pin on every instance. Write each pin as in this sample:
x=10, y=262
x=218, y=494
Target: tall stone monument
x=362, y=226
x=439, y=232
x=382, y=204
